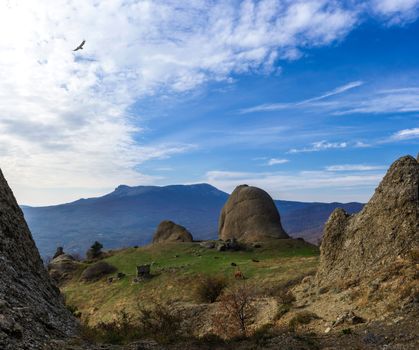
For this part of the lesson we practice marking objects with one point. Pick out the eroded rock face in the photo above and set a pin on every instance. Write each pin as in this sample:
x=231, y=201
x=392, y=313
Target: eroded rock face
x=168, y=231
x=31, y=308
x=250, y=215
x=384, y=232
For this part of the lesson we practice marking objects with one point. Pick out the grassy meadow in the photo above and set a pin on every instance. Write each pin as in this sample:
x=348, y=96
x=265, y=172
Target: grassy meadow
x=178, y=267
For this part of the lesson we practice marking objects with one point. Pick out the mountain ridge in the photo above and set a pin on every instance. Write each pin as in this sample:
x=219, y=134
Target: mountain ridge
x=130, y=214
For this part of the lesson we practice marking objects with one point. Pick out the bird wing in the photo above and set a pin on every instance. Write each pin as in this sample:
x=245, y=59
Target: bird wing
x=80, y=46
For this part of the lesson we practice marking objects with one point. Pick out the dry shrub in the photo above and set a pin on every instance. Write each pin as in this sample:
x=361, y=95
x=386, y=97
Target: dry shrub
x=121, y=330
x=160, y=321
x=303, y=317
x=236, y=312
x=209, y=288
x=97, y=271
x=285, y=297
x=414, y=255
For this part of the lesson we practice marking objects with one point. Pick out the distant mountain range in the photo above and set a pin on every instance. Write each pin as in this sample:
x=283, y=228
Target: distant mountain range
x=129, y=216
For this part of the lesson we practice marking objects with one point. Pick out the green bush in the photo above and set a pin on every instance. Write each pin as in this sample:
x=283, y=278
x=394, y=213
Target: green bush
x=95, y=251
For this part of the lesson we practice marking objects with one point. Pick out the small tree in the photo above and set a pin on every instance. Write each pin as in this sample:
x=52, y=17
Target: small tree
x=94, y=251
x=236, y=312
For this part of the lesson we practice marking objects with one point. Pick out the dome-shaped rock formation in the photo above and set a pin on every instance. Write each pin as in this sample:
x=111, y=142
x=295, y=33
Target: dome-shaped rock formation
x=385, y=231
x=250, y=215
x=168, y=231
x=31, y=308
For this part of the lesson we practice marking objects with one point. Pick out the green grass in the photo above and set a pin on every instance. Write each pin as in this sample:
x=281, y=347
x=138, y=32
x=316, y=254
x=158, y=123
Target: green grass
x=176, y=269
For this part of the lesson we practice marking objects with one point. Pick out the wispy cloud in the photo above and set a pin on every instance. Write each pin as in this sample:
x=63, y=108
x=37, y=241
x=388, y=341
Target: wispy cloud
x=399, y=100
x=275, y=161
x=320, y=146
x=304, y=185
x=280, y=106
x=406, y=134
x=354, y=167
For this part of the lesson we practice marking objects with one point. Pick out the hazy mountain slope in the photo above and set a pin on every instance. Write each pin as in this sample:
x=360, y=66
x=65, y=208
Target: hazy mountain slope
x=129, y=216
x=307, y=219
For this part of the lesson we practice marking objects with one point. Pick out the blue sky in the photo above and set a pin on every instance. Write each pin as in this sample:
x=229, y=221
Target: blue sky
x=309, y=100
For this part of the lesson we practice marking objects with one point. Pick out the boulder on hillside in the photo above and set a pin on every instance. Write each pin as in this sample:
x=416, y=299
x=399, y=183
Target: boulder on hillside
x=250, y=215
x=168, y=231
x=385, y=232
x=32, y=309
x=62, y=267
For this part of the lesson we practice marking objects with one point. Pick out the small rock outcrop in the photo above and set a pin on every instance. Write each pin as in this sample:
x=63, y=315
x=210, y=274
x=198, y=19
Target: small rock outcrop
x=250, y=215
x=168, y=231
x=62, y=267
x=384, y=233
x=31, y=308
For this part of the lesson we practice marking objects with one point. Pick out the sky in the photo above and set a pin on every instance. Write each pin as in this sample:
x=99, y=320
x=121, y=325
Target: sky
x=309, y=100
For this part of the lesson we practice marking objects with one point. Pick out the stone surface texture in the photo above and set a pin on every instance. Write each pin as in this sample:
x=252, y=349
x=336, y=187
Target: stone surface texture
x=168, y=231
x=385, y=231
x=31, y=308
x=250, y=215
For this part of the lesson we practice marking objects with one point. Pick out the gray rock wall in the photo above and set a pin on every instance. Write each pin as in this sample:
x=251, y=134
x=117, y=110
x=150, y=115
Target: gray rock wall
x=31, y=308
x=387, y=229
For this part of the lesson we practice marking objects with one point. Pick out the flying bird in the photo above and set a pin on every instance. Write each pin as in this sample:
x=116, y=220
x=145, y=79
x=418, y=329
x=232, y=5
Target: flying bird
x=80, y=47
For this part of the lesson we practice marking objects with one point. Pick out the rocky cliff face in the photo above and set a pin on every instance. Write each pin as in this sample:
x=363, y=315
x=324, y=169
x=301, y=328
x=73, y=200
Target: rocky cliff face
x=384, y=232
x=168, y=231
x=31, y=308
x=250, y=215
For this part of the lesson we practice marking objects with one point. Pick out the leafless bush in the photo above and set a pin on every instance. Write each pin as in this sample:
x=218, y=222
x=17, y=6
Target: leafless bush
x=236, y=312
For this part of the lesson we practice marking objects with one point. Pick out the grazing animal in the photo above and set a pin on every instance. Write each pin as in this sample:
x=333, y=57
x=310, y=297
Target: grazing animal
x=255, y=260
x=80, y=47
x=238, y=275
x=233, y=264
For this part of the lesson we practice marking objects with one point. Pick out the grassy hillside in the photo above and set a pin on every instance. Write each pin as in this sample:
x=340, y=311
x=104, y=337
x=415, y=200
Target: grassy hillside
x=177, y=268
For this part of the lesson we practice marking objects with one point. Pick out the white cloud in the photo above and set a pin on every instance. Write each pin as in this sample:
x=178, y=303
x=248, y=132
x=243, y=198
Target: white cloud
x=304, y=103
x=396, y=11
x=406, y=134
x=274, y=161
x=65, y=118
x=354, y=167
x=320, y=146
